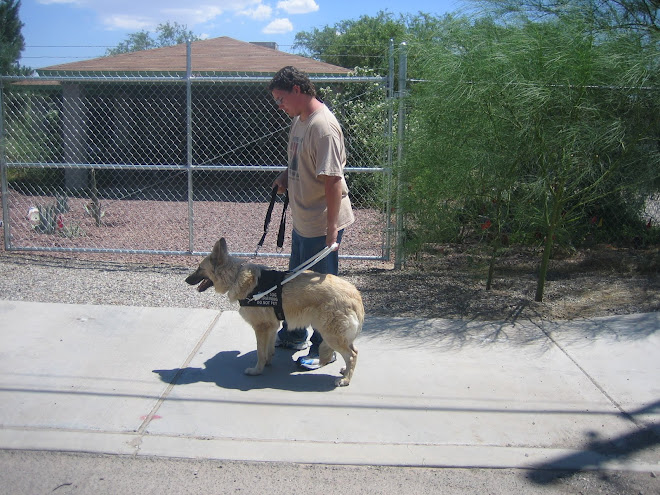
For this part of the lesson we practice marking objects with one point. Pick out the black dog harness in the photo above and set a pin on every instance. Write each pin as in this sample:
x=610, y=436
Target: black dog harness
x=268, y=279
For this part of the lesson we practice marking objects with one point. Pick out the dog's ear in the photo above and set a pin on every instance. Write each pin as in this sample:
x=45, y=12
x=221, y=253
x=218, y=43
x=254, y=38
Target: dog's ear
x=220, y=252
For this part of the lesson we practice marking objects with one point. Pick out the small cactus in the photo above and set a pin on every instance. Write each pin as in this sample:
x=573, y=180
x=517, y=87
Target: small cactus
x=48, y=217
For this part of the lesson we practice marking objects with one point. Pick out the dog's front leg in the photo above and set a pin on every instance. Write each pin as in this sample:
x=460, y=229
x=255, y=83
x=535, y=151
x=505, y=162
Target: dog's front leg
x=265, y=348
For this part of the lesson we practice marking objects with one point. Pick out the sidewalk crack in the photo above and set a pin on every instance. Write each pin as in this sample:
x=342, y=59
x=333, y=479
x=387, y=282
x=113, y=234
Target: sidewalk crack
x=625, y=414
x=149, y=417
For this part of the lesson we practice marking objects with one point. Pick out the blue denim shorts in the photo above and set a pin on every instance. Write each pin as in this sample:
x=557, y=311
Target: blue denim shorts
x=303, y=248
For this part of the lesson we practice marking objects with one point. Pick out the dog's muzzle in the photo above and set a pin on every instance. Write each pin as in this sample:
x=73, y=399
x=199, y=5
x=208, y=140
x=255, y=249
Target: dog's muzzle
x=204, y=283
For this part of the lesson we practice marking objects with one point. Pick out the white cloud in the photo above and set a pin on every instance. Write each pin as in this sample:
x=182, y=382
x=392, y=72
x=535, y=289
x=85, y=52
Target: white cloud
x=298, y=6
x=260, y=13
x=278, y=26
x=193, y=15
x=127, y=22
x=48, y=2
x=147, y=14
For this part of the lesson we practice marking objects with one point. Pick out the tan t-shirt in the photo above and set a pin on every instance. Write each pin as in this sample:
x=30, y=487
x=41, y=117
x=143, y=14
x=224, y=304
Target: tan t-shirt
x=316, y=147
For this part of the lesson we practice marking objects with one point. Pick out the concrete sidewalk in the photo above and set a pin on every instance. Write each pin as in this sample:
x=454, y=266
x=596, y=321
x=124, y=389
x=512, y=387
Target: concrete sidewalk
x=169, y=382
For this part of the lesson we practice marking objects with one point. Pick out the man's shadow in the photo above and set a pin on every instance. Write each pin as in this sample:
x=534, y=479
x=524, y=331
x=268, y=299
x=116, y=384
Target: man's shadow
x=226, y=370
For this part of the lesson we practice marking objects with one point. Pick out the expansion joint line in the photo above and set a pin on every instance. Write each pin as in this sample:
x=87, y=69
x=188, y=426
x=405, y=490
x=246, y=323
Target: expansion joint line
x=140, y=431
x=618, y=406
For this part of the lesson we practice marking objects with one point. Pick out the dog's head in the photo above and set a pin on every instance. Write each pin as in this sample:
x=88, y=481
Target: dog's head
x=212, y=270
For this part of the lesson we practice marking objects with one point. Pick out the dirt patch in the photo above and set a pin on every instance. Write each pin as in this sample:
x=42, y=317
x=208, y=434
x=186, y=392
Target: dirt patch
x=450, y=282
x=443, y=282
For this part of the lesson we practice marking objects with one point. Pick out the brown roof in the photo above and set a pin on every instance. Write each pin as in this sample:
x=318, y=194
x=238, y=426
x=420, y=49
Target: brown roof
x=214, y=55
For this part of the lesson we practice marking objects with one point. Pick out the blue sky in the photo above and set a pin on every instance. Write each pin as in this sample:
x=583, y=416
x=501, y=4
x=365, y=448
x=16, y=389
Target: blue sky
x=61, y=31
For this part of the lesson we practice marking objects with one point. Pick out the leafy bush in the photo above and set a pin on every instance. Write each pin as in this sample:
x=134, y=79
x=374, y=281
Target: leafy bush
x=525, y=130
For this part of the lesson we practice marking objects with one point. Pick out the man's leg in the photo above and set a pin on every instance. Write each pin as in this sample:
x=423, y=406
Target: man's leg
x=303, y=248
x=329, y=264
x=296, y=338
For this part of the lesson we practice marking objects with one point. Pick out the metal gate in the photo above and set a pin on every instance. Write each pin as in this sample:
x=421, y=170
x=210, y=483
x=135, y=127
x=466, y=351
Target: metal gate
x=167, y=164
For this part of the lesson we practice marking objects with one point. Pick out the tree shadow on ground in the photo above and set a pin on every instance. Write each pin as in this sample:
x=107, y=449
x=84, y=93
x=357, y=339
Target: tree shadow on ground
x=597, y=453
x=455, y=334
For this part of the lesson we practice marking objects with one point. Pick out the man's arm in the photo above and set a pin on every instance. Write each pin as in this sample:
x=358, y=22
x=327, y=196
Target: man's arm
x=333, y=191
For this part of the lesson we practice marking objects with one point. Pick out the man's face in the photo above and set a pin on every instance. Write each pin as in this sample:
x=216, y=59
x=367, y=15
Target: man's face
x=288, y=100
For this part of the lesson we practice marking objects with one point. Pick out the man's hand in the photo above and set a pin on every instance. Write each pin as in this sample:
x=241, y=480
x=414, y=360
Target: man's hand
x=330, y=239
x=282, y=182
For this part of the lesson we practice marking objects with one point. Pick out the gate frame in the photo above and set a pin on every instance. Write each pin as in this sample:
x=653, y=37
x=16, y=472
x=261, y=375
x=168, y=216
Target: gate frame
x=392, y=98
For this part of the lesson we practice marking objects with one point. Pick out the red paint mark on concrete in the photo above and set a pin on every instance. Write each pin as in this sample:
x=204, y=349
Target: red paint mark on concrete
x=155, y=416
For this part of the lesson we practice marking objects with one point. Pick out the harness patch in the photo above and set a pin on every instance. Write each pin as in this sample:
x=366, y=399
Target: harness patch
x=268, y=279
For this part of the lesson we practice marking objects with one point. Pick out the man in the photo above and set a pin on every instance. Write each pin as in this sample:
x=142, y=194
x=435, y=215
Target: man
x=318, y=196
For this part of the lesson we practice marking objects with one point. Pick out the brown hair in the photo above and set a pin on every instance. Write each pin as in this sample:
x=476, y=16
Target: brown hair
x=288, y=77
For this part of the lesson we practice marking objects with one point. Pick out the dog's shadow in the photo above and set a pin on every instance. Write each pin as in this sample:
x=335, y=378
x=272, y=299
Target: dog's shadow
x=226, y=370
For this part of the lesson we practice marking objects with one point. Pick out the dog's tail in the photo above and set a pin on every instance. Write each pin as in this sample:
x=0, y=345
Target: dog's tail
x=357, y=317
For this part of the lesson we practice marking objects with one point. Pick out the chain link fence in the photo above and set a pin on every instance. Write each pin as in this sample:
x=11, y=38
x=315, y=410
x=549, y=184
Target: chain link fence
x=167, y=164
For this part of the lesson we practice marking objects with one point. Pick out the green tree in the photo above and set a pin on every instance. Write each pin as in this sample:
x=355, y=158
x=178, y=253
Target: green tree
x=353, y=43
x=358, y=106
x=364, y=42
x=524, y=130
x=642, y=16
x=167, y=34
x=11, y=39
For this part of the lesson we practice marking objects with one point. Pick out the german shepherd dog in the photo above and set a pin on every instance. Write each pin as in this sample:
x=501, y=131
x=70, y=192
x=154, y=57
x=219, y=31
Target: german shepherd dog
x=329, y=304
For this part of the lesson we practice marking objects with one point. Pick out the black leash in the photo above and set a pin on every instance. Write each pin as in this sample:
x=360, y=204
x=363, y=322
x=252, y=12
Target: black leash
x=269, y=214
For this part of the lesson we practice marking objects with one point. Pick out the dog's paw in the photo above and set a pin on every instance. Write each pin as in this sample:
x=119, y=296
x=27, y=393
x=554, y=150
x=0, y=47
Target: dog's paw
x=253, y=371
x=342, y=382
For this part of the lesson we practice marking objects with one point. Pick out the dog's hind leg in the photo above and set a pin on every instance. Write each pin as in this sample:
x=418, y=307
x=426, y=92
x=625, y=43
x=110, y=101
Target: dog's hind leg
x=265, y=334
x=350, y=357
x=347, y=351
x=325, y=353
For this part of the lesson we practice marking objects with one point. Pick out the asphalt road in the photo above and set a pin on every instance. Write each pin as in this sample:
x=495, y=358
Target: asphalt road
x=74, y=473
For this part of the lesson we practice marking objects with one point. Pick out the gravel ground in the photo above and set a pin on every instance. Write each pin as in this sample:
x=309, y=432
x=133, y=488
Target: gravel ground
x=443, y=282
x=448, y=283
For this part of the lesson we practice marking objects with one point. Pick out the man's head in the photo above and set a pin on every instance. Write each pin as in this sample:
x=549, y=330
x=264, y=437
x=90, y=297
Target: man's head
x=288, y=77
x=292, y=91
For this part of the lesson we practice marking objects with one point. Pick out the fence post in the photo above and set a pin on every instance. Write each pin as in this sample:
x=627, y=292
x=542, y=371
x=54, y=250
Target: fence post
x=74, y=136
x=385, y=253
x=189, y=160
x=3, y=172
x=403, y=69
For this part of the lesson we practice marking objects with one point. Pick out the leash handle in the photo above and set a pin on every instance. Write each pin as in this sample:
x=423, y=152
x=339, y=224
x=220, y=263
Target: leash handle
x=280, y=234
x=269, y=214
x=311, y=261
x=299, y=269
